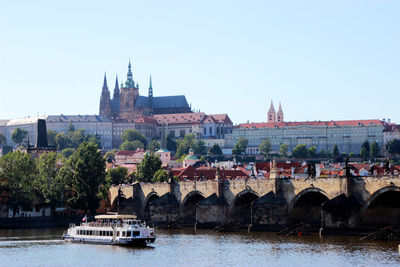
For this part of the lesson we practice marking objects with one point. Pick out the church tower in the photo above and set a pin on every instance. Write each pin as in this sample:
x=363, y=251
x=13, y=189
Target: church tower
x=115, y=100
x=128, y=96
x=279, y=114
x=105, y=105
x=151, y=96
x=271, y=113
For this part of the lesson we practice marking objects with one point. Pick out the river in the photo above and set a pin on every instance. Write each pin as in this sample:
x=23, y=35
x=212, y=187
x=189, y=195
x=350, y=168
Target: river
x=43, y=247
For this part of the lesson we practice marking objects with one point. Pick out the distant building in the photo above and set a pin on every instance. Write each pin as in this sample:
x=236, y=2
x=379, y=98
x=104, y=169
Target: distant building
x=391, y=132
x=213, y=126
x=127, y=103
x=324, y=135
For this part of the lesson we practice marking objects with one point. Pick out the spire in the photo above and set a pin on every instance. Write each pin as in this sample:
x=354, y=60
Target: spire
x=105, y=87
x=271, y=107
x=150, y=88
x=129, y=71
x=280, y=108
x=116, y=88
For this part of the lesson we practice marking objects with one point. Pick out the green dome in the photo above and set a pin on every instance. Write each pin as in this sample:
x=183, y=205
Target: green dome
x=191, y=157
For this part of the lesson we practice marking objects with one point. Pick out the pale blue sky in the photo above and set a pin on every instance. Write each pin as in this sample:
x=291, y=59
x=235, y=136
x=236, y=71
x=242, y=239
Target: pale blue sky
x=325, y=60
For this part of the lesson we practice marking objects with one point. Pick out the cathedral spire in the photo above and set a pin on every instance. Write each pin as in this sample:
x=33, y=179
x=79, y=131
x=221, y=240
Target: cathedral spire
x=116, y=88
x=129, y=71
x=279, y=114
x=271, y=113
x=105, y=87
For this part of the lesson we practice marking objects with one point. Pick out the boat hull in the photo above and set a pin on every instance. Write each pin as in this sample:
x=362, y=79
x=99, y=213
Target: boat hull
x=133, y=242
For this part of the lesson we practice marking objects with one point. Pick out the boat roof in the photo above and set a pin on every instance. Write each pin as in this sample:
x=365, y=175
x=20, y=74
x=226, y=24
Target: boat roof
x=115, y=216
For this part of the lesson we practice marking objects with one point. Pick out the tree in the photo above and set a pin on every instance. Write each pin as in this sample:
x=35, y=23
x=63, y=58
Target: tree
x=146, y=169
x=240, y=146
x=335, y=151
x=322, y=153
x=265, y=147
x=312, y=152
x=110, y=155
x=134, y=135
x=76, y=137
x=71, y=127
x=374, y=149
x=48, y=184
x=118, y=175
x=215, y=150
x=62, y=141
x=93, y=138
x=67, y=152
x=364, y=154
x=283, y=149
x=83, y=173
x=154, y=145
x=51, y=137
x=393, y=147
x=160, y=176
x=300, y=151
x=131, y=145
x=190, y=141
x=171, y=143
x=351, y=154
x=366, y=151
x=19, y=135
x=3, y=139
x=17, y=171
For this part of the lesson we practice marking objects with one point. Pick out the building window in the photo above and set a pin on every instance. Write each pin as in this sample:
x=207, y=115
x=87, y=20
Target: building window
x=205, y=130
x=172, y=134
x=210, y=130
x=182, y=133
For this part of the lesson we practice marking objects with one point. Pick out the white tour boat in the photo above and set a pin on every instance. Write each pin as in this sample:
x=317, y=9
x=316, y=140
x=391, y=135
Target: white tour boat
x=111, y=229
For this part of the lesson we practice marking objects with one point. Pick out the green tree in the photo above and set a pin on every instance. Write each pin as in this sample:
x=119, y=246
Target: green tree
x=364, y=154
x=71, y=127
x=240, y=146
x=366, y=151
x=283, y=149
x=84, y=173
x=351, y=154
x=312, y=152
x=300, y=151
x=160, y=176
x=190, y=141
x=131, y=145
x=322, y=153
x=76, y=137
x=93, y=138
x=110, y=155
x=51, y=137
x=134, y=135
x=3, y=139
x=393, y=147
x=148, y=167
x=171, y=143
x=265, y=147
x=17, y=172
x=154, y=145
x=118, y=175
x=374, y=149
x=19, y=135
x=67, y=152
x=335, y=151
x=62, y=141
x=48, y=184
x=215, y=150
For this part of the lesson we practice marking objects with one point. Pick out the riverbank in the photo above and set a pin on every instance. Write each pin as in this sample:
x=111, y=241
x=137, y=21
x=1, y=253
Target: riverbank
x=37, y=222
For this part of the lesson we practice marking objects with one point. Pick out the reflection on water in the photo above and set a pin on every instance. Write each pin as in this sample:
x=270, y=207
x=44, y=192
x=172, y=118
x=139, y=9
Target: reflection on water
x=201, y=248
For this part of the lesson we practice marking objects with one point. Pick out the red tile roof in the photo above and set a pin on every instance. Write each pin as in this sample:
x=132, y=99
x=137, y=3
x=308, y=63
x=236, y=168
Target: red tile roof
x=310, y=123
x=191, y=118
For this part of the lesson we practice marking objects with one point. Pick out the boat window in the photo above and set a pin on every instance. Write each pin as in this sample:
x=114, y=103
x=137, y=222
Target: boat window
x=135, y=233
x=123, y=233
x=117, y=233
x=128, y=233
x=101, y=233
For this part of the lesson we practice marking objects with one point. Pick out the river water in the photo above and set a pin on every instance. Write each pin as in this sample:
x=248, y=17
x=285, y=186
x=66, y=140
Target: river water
x=202, y=248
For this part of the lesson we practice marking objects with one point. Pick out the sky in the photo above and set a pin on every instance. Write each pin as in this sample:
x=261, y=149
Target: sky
x=323, y=60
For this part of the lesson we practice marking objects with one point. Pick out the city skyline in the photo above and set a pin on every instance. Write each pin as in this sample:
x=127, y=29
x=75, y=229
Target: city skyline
x=225, y=57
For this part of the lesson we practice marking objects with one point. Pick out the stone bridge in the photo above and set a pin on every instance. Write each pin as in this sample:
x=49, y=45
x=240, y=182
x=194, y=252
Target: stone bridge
x=333, y=202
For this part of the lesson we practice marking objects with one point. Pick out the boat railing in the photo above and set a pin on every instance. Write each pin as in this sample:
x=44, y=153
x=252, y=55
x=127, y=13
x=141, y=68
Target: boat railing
x=111, y=224
x=72, y=225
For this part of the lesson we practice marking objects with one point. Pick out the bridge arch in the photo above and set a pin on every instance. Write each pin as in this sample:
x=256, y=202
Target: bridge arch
x=306, y=206
x=188, y=207
x=382, y=208
x=146, y=205
x=240, y=209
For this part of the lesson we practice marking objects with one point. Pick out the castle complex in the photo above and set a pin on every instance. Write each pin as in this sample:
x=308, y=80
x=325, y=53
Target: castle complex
x=127, y=103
